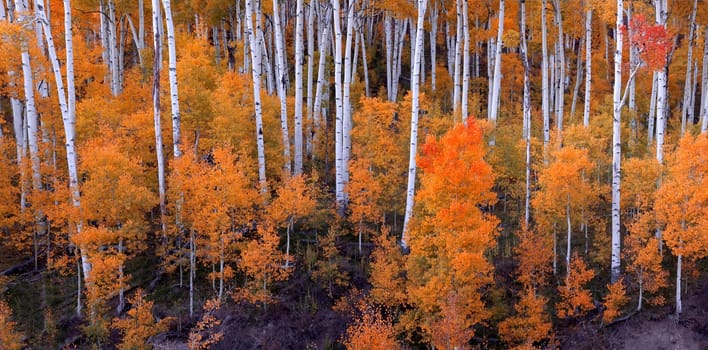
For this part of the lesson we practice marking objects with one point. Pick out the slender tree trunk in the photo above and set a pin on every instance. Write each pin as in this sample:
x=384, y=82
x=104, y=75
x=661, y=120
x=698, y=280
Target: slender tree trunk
x=527, y=112
x=346, y=97
x=256, y=75
x=316, y=113
x=652, y=110
x=433, y=44
x=688, y=83
x=156, y=67
x=545, y=96
x=560, y=56
x=310, y=75
x=578, y=78
x=616, y=148
x=415, y=79
x=465, y=61
x=588, y=68
x=568, y=238
x=704, y=84
x=339, y=120
x=497, y=66
x=68, y=111
x=280, y=57
x=365, y=65
x=299, y=53
x=679, y=307
x=458, y=58
x=662, y=89
x=174, y=94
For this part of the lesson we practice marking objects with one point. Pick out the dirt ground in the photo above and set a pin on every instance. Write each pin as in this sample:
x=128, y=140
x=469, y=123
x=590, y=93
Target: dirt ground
x=655, y=329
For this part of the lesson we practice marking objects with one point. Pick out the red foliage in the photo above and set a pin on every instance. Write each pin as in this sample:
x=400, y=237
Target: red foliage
x=652, y=41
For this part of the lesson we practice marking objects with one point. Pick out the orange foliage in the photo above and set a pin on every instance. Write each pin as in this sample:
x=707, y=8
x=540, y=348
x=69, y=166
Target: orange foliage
x=575, y=299
x=450, y=234
x=203, y=335
x=614, y=301
x=370, y=331
x=530, y=324
x=451, y=330
x=140, y=324
x=682, y=201
x=261, y=262
x=387, y=271
x=535, y=254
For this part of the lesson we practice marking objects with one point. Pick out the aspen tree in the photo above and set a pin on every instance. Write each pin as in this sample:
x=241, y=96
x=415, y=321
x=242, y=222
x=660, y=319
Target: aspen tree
x=255, y=49
x=281, y=82
x=174, y=93
x=415, y=100
x=588, y=66
x=493, y=113
x=688, y=82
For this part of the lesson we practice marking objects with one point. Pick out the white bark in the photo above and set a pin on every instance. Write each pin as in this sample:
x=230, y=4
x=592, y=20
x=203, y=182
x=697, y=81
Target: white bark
x=256, y=76
x=310, y=74
x=174, y=94
x=465, y=61
x=365, y=64
x=662, y=86
x=415, y=79
x=280, y=56
x=588, y=67
x=299, y=53
x=433, y=44
x=527, y=113
x=159, y=152
x=560, y=55
x=113, y=49
x=688, y=83
x=68, y=110
x=544, y=79
x=578, y=78
x=339, y=119
x=346, y=97
x=704, y=84
x=324, y=39
x=458, y=58
x=616, y=148
x=652, y=110
x=497, y=66
x=679, y=307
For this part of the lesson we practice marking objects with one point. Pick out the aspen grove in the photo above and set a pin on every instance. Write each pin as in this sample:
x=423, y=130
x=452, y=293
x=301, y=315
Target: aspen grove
x=327, y=174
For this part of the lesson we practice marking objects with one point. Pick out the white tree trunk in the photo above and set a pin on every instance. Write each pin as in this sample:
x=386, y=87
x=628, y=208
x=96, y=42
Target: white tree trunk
x=679, y=307
x=310, y=75
x=68, y=110
x=299, y=53
x=616, y=147
x=324, y=39
x=159, y=152
x=588, y=67
x=457, y=93
x=256, y=76
x=465, y=61
x=560, y=55
x=433, y=43
x=174, y=94
x=651, y=118
x=545, y=96
x=497, y=66
x=704, y=85
x=662, y=86
x=569, y=228
x=113, y=49
x=578, y=78
x=280, y=57
x=527, y=112
x=339, y=119
x=688, y=83
x=415, y=79
x=365, y=65
x=346, y=97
